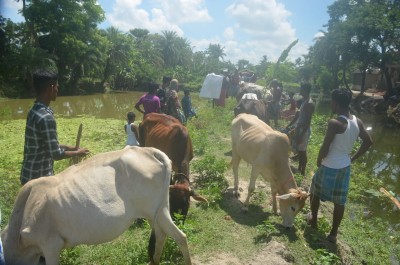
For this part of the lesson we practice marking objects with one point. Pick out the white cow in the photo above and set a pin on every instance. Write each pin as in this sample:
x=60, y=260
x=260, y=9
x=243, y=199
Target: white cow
x=91, y=203
x=267, y=151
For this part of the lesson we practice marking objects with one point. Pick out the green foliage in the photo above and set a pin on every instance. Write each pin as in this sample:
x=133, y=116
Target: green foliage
x=325, y=257
x=267, y=228
x=200, y=141
x=325, y=81
x=210, y=177
x=70, y=256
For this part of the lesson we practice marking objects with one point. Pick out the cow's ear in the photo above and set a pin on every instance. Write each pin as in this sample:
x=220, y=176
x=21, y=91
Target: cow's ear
x=284, y=196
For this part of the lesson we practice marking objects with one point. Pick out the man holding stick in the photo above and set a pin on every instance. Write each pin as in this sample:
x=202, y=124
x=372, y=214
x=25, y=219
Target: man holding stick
x=41, y=142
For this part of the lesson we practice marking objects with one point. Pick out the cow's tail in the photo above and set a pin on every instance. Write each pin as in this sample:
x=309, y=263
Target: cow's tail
x=11, y=236
x=164, y=200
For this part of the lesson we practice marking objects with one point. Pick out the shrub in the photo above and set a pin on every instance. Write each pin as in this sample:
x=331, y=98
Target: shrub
x=210, y=177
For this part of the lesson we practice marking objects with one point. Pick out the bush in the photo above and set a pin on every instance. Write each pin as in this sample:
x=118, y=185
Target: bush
x=210, y=177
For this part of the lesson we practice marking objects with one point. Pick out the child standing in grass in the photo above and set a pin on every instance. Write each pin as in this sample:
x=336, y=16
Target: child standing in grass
x=186, y=103
x=131, y=130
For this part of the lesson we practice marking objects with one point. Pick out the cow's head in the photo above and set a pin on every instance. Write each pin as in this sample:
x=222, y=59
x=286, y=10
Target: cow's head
x=179, y=195
x=291, y=204
x=16, y=251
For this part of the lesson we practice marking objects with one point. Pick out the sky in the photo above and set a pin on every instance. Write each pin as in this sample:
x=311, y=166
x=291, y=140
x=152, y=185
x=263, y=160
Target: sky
x=246, y=29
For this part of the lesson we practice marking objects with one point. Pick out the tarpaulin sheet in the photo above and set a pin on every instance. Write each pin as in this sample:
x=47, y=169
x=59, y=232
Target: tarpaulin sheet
x=211, y=86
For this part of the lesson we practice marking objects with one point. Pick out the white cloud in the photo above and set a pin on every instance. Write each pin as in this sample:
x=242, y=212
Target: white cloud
x=318, y=35
x=184, y=11
x=167, y=15
x=229, y=33
x=264, y=23
x=257, y=27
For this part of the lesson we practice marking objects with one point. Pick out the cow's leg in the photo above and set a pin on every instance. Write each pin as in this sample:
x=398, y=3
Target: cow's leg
x=235, y=167
x=52, y=250
x=252, y=187
x=167, y=225
x=274, y=192
x=156, y=244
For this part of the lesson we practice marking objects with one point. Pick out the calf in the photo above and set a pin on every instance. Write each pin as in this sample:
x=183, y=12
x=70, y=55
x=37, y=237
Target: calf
x=267, y=151
x=91, y=203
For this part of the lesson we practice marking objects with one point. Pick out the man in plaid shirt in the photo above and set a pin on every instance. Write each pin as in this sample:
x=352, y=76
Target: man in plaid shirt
x=41, y=141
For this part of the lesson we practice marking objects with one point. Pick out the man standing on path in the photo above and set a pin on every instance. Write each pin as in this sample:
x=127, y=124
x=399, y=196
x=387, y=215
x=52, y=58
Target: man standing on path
x=41, y=142
x=302, y=130
x=331, y=181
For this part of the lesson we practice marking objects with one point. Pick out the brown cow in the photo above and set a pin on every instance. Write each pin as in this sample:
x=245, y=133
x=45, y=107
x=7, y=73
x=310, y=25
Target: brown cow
x=267, y=151
x=170, y=136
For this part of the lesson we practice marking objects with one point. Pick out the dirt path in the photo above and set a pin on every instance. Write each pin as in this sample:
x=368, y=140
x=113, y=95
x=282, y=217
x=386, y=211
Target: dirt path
x=273, y=253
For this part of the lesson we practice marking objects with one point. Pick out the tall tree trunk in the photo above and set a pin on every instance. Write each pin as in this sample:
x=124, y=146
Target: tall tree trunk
x=34, y=40
x=363, y=76
x=388, y=79
x=74, y=81
x=362, y=89
x=107, y=71
x=344, y=78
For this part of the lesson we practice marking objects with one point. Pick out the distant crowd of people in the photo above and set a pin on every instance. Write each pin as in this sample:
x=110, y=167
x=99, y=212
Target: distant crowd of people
x=165, y=99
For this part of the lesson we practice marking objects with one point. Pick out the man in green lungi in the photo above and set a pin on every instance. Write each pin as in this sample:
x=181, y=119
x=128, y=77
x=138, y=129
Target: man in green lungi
x=331, y=181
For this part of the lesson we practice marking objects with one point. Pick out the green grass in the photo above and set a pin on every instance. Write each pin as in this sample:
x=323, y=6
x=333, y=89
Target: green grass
x=220, y=227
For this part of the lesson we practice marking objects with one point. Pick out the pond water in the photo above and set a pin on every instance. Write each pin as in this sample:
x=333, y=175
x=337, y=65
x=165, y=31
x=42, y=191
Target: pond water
x=382, y=161
x=113, y=105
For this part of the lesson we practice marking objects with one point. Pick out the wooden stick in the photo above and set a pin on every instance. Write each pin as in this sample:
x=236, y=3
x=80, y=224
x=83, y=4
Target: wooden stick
x=78, y=136
x=74, y=160
x=394, y=200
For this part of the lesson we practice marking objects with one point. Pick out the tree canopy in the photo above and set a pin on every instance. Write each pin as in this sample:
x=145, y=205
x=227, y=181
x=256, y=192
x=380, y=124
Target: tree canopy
x=65, y=36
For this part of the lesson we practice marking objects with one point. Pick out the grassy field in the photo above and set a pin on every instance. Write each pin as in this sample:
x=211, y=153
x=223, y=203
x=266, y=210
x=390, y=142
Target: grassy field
x=220, y=229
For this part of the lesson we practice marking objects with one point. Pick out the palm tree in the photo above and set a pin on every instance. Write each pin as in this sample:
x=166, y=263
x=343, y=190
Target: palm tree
x=169, y=47
x=117, y=53
x=215, y=51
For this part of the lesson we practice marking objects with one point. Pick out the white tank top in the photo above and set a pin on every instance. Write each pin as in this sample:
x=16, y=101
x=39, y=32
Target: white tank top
x=131, y=138
x=342, y=144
